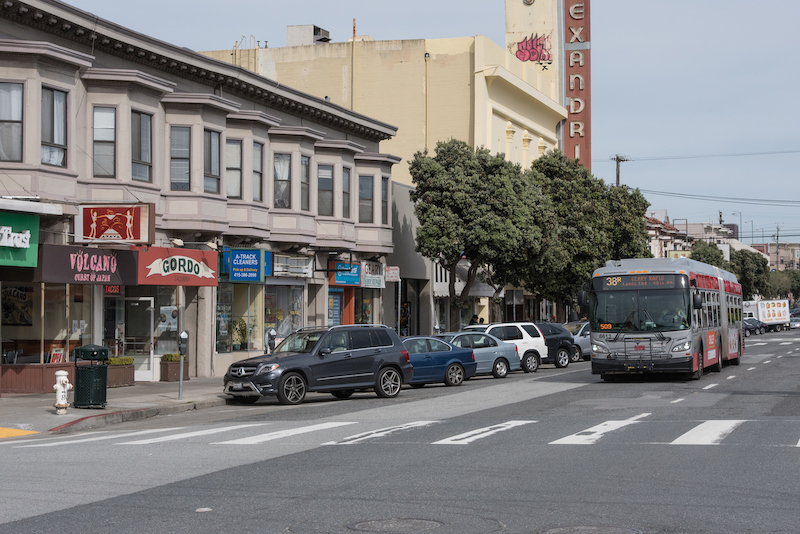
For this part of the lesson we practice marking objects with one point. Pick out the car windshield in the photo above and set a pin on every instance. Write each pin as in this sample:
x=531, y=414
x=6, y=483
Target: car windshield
x=573, y=328
x=299, y=342
x=658, y=310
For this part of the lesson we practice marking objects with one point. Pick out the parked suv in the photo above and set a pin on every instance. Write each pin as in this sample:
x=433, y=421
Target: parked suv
x=331, y=359
x=528, y=339
x=560, y=344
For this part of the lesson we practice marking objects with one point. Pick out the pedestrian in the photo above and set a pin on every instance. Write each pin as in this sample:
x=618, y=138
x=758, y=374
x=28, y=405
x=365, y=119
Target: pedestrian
x=474, y=319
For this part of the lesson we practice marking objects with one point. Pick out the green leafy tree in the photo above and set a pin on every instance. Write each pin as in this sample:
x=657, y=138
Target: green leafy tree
x=473, y=206
x=584, y=238
x=627, y=208
x=709, y=253
x=752, y=271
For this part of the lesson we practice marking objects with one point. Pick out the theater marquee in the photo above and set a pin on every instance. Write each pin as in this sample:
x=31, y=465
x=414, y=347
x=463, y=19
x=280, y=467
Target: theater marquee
x=133, y=224
x=577, y=52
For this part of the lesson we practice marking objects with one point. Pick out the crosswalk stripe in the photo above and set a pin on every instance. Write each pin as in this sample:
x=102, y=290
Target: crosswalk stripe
x=254, y=440
x=591, y=435
x=708, y=433
x=472, y=435
x=98, y=438
x=380, y=433
x=186, y=435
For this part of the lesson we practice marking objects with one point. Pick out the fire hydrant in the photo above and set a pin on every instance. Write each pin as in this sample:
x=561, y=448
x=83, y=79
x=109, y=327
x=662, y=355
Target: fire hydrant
x=62, y=387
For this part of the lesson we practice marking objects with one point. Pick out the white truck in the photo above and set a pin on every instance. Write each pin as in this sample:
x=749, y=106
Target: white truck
x=773, y=313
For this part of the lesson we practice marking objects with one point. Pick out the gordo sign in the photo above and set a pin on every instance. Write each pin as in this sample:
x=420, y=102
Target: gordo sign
x=182, y=267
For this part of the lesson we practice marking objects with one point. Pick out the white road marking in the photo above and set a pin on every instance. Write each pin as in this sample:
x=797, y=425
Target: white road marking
x=732, y=376
x=676, y=401
x=185, y=435
x=766, y=362
x=711, y=386
x=786, y=343
x=750, y=368
x=99, y=438
x=380, y=433
x=60, y=439
x=254, y=440
x=757, y=344
x=708, y=433
x=591, y=435
x=473, y=435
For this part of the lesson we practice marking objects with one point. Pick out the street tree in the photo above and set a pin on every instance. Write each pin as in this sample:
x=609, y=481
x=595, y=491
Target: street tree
x=473, y=206
x=709, y=253
x=627, y=209
x=752, y=271
x=583, y=221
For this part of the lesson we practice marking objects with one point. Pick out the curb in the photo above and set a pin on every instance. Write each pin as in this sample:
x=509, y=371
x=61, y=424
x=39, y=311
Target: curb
x=122, y=416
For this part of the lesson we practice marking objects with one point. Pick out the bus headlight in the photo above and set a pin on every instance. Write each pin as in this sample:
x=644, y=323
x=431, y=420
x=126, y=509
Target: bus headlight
x=599, y=349
x=682, y=347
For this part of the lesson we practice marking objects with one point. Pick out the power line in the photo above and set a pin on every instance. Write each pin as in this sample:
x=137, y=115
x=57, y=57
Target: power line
x=732, y=200
x=701, y=156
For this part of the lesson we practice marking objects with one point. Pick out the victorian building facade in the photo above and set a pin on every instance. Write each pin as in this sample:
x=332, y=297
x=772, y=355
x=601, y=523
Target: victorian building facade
x=163, y=191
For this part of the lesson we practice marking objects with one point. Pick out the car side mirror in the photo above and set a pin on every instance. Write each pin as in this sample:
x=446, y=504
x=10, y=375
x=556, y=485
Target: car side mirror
x=697, y=301
x=324, y=351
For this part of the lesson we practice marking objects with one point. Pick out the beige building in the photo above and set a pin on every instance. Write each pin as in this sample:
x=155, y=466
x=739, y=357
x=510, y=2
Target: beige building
x=467, y=88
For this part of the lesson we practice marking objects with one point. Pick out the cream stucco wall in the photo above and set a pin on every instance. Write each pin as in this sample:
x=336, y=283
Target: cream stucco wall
x=467, y=88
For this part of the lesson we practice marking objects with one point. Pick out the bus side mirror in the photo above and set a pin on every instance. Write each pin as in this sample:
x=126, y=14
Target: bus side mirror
x=697, y=301
x=583, y=300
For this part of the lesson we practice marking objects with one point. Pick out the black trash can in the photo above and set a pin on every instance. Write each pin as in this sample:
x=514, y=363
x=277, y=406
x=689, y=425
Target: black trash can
x=90, y=379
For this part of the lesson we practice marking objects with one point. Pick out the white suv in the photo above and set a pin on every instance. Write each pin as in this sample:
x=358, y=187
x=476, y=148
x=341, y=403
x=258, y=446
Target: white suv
x=526, y=336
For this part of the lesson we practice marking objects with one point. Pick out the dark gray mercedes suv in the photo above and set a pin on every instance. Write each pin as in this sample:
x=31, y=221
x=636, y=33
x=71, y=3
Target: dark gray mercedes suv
x=332, y=359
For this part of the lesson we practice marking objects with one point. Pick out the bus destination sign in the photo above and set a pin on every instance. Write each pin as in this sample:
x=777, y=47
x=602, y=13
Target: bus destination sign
x=640, y=281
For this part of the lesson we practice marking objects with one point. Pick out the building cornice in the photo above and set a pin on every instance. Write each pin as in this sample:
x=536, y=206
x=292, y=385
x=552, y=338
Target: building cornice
x=44, y=49
x=99, y=35
x=128, y=76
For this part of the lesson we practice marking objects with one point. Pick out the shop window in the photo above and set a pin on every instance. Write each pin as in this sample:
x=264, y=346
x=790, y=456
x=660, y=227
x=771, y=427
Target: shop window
x=180, y=152
x=346, y=193
x=210, y=161
x=325, y=194
x=283, y=308
x=365, y=194
x=258, y=174
x=365, y=306
x=283, y=184
x=11, y=121
x=233, y=168
x=141, y=147
x=224, y=316
x=54, y=127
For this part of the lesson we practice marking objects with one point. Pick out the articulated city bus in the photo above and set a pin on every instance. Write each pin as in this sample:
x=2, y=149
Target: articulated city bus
x=672, y=315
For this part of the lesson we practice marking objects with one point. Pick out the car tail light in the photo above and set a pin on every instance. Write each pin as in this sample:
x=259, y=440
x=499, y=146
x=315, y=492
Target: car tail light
x=473, y=356
x=405, y=355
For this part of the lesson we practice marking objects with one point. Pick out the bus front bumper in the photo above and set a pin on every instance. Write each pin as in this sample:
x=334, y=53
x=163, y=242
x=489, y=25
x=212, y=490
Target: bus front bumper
x=605, y=365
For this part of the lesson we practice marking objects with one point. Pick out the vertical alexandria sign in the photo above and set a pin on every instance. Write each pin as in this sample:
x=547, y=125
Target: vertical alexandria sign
x=577, y=59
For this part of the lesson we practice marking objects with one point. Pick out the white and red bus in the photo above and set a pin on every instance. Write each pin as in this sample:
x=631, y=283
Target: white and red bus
x=668, y=315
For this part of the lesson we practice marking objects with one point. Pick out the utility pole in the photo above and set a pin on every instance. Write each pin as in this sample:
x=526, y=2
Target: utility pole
x=619, y=159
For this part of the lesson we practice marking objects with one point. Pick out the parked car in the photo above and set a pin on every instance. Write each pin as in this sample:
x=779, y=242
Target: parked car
x=525, y=336
x=580, y=337
x=762, y=326
x=332, y=359
x=750, y=327
x=436, y=360
x=492, y=355
x=794, y=322
x=560, y=346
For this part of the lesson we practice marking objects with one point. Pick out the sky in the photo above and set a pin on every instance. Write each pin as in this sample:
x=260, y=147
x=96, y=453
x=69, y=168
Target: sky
x=700, y=95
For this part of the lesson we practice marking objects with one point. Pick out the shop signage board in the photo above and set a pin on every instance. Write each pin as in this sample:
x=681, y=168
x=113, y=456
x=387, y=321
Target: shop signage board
x=64, y=264
x=133, y=224
x=247, y=265
x=372, y=274
x=345, y=274
x=19, y=239
x=161, y=266
x=296, y=266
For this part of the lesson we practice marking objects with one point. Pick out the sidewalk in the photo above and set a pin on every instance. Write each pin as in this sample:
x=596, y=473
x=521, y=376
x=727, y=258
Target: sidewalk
x=26, y=414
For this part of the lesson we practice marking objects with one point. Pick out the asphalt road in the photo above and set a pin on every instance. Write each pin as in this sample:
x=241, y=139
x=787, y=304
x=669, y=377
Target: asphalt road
x=558, y=451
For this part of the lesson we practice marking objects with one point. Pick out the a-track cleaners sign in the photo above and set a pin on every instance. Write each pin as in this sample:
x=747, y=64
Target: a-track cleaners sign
x=177, y=267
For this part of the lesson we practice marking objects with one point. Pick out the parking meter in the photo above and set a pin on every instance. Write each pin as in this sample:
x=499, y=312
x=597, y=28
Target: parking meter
x=183, y=341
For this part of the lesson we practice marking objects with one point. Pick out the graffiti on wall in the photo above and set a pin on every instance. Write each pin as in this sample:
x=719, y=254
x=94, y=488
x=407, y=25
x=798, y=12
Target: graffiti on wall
x=536, y=48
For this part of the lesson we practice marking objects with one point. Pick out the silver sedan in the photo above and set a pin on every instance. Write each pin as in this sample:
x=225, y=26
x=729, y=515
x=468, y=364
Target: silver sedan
x=580, y=335
x=491, y=354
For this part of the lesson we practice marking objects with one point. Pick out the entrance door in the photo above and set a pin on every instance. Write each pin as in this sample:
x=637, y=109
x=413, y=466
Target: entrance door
x=129, y=332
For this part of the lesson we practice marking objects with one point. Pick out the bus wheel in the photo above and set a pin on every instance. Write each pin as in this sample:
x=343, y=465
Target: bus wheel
x=717, y=368
x=699, y=373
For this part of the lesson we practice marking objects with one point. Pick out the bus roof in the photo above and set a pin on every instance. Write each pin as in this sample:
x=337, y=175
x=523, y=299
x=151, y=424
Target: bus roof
x=662, y=265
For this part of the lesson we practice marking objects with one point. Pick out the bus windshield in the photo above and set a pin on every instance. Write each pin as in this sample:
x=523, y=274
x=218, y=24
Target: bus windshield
x=656, y=310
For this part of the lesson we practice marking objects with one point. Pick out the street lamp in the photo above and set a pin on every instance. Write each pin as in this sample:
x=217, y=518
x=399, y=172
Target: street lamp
x=739, y=231
x=752, y=232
